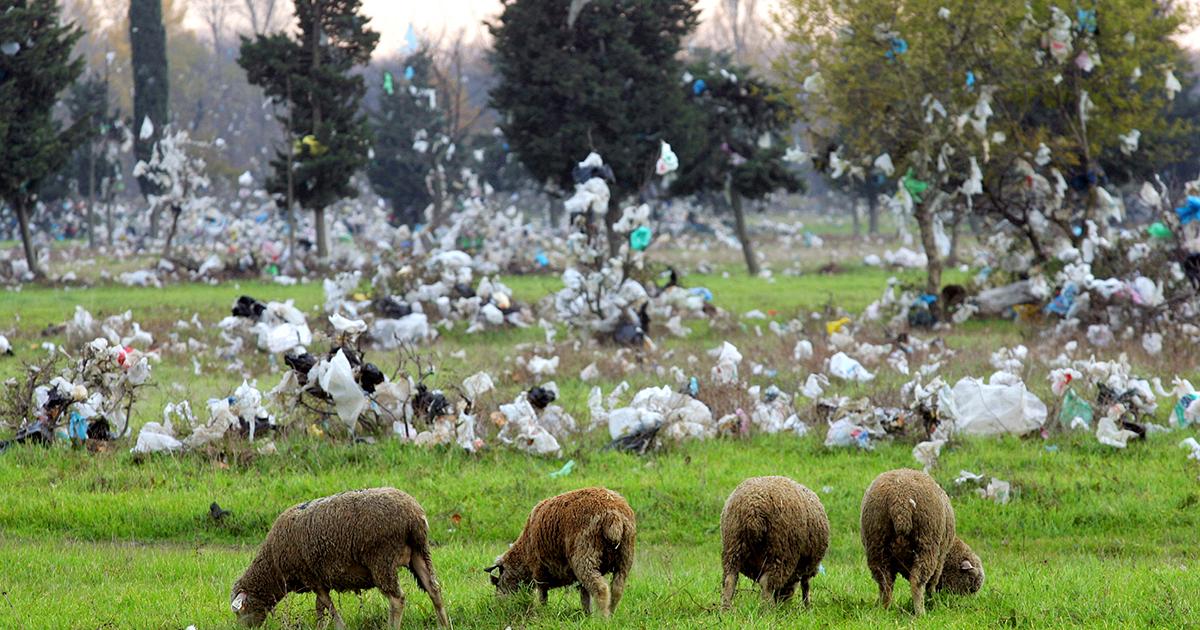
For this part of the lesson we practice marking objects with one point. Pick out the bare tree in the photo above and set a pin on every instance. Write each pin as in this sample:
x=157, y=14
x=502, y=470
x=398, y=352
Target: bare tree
x=263, y=15
x=215, y=13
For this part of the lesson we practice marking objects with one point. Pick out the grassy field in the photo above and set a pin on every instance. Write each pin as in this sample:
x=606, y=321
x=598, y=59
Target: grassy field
x=1092, y=537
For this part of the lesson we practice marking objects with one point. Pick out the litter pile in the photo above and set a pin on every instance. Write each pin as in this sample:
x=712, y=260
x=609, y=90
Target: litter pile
x=84, y=396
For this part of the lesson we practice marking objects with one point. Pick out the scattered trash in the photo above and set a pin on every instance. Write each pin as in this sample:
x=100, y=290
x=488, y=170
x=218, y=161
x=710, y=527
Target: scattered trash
x=564, y=471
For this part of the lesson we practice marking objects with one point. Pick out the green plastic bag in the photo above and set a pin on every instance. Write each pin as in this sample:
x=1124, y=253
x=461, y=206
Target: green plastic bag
x=1181, y=410
x=914, y=186
x=1158, y=229
x=1075, y=407
x=639, y=239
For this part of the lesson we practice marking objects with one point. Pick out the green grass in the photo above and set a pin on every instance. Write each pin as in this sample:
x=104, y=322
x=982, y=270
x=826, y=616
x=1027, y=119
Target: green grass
x=1091, y=537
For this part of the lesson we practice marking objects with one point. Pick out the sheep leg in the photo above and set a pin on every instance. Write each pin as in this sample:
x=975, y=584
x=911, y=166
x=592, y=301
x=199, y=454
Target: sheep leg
x=325, y=605
x=396, y=609
x=543, y=594
x=728, y=587
x=617, y=589
x=422, y=569
x=804, y=590
x=884, y=577
x=597, y=590
x=585, y=599
x=383, y=573
x=918, y=579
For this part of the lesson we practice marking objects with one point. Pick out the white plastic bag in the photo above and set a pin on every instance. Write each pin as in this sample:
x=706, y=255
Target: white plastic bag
x=338, y=381
x=982, y=409
x=847, y=369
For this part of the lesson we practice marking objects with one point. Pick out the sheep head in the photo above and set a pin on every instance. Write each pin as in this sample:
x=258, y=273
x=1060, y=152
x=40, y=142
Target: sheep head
x=963, y=572
x=251, y=611
x=509, y=574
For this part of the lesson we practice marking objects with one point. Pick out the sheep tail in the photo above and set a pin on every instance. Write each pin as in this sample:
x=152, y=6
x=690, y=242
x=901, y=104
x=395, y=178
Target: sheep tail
x=612, y=527
x=902, y=516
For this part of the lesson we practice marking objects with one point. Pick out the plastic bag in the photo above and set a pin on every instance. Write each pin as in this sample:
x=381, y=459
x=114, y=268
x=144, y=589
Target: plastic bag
x=1108, y=433
x=1074, y=407
x=847, y=369
x=338, y=381
x=982, y=409
x=155, y=438
x=846, y=433
x=927, y=453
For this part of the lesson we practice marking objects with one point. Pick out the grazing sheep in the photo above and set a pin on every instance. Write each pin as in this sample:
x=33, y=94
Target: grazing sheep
x=907, y=527
x=351, y=541
x=775, y=532
x=575, y=537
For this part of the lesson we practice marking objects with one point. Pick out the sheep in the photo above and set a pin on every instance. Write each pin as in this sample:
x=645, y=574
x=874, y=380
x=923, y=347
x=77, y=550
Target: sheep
x=575, y=537
x=907, y=527
x=351, y=541
x=775, y=532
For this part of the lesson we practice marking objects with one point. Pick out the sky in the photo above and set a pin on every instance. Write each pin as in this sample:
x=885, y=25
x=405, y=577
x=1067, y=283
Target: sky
x=432, y=17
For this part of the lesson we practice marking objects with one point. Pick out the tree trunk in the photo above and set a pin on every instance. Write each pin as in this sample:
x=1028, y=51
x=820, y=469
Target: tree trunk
x=322, y=236
x=873, y=216
x=91, y=216
x=735, y=202
x=857, y=221
x=26, y=239
x=153, y=223
x=611, y=216
x=952, y=259
x=108, y=222
x=933, y=268
x=175, y=212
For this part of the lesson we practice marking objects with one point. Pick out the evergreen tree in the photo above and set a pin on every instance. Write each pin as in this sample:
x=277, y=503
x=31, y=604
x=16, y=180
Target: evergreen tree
x=598, y=78
x=741, y=121
x=400, y=171
x=90, y=165
x=310, y=74
x=35, y=66
x=148, y=44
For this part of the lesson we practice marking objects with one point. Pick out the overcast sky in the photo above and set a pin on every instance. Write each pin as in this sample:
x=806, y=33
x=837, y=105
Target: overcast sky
x=392, y=17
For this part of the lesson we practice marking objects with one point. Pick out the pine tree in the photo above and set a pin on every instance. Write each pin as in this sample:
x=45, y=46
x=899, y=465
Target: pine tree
x=740, y=121
x=35, y=66
x=328, y=134
x=403, y=161
x=151, y=87
x=598, y=78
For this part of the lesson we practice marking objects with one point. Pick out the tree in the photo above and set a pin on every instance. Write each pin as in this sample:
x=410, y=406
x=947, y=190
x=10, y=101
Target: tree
x=36, y=64
x=600, y=82
x=90, y=166
x=740, y=120
x=151, y=87
x=178, y=173
x=410, y=140
x=984, y=107
x=310, y=75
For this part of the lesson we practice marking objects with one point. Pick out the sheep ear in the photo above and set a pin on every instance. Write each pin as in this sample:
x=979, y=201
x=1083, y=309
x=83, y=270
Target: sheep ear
x=966, y=565
x=237, y=602
x=491, y=568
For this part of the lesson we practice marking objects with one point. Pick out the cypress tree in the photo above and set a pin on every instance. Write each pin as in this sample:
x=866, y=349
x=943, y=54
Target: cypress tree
x=148, y=43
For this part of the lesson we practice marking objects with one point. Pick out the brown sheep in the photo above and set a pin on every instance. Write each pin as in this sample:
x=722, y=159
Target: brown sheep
x=775, y=532
x=573, y=538
x=907, y=527
x=351, y=541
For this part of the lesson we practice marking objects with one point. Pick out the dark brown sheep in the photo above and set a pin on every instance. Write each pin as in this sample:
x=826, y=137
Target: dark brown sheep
x=573, y=538
x=775, y=532
x=907, y=527
x=351, y=541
